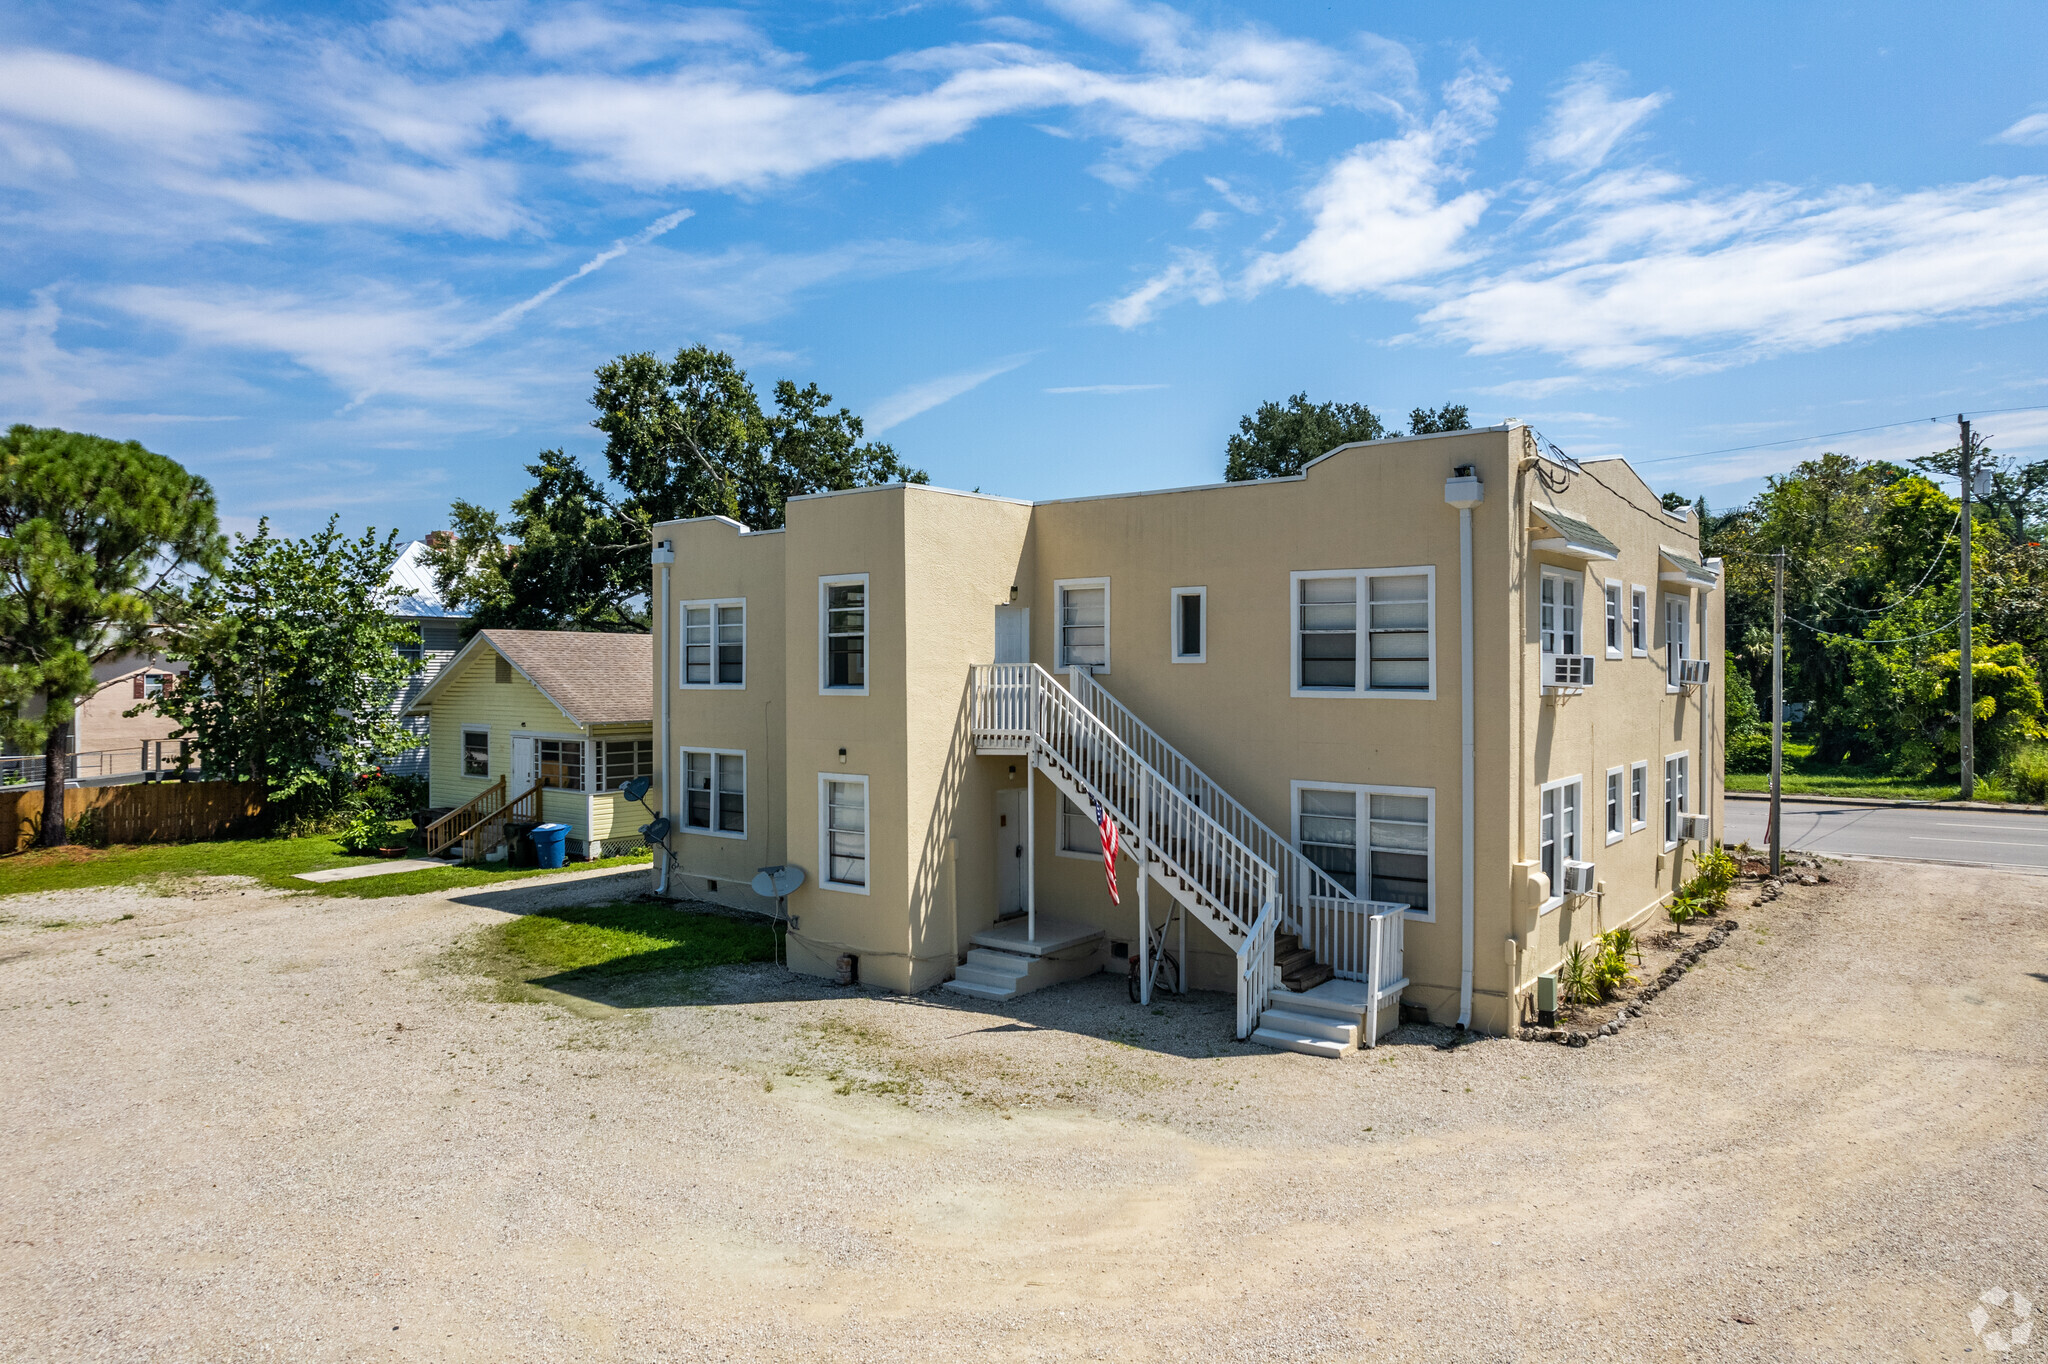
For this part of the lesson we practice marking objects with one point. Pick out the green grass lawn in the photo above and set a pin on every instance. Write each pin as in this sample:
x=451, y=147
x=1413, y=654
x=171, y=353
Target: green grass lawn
x=273, y=861
x=1810, y=776
x=625, y=938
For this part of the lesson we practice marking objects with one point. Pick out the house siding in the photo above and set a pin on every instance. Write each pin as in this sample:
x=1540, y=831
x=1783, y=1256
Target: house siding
x=474, y=697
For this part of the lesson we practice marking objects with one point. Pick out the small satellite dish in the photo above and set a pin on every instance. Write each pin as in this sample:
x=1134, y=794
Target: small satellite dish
x=636, y=789
x=776, y=882
x=656, y=831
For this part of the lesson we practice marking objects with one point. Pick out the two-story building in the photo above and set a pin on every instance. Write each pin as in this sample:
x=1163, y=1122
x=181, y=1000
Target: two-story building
x=1398, y=729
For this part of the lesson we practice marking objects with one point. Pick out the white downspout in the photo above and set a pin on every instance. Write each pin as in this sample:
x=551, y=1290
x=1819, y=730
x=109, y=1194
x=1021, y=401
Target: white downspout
x=664, y=555
x=1464, y=491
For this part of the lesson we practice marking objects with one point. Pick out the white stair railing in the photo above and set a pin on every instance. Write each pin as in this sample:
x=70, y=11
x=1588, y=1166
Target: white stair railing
x=1330, y=920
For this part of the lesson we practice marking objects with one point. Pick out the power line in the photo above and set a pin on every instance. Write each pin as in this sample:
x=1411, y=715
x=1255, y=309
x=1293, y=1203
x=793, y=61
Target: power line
x=1830, y=435
x=1905, y=639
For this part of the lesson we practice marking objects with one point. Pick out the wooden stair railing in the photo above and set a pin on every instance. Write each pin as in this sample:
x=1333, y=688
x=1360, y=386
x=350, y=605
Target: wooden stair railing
x=488, y=832
x=448, y=828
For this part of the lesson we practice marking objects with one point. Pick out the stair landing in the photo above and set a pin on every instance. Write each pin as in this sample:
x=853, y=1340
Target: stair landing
x=1003, y=962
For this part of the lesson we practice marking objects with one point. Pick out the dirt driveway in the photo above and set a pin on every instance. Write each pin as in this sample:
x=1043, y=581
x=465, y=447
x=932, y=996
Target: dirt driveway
x=247, y=1126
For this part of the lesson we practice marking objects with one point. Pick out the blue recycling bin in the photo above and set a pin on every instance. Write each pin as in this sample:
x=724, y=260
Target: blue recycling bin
x=550, y=843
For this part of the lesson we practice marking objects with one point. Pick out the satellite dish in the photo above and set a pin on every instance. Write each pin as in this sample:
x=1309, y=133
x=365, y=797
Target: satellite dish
x=636, y=789
x=776, y=882
x=656, y=831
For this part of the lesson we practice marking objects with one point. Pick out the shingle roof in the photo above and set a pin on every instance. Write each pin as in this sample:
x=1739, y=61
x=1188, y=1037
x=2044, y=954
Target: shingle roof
x=1690, y=567
x=596, y=679
x=1579, y=533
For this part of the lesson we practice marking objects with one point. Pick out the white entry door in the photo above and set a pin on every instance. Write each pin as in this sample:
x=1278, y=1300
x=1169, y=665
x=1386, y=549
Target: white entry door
x=1013, y=634
x=522, y=774
x=1010, y=852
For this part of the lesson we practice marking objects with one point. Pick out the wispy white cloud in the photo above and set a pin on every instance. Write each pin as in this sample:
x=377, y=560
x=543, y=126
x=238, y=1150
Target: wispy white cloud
x=507, y=316
x=81, y=95
x=1589, y=118
x=2031, y=131
x=900, y=406
x=1192, y=275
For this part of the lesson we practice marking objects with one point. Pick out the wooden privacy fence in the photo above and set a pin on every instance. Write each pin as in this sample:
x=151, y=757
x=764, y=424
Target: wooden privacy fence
x=145, y=812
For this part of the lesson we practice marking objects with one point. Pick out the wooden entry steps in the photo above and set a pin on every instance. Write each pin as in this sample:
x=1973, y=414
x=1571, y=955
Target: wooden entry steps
x=1296, y=965
x=1003, y=963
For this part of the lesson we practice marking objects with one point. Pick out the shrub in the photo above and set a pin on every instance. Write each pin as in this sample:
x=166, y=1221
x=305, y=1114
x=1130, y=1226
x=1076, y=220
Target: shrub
x=2025, y=775
x=1610, y=962
x=394, y=795
x=1683, y=909
x=1714, y=873
x=1749, y=751
x=1575, y=980
x=368, y=831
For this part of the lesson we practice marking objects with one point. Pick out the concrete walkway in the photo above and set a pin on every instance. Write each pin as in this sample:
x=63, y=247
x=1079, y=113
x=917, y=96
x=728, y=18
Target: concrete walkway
x=391, y=868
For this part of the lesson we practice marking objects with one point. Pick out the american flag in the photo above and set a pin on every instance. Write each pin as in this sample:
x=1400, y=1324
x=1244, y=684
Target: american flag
x=1109, y=842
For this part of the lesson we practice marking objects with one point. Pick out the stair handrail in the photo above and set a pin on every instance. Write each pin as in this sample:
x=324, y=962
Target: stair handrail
x=437, y=837
x=1306, y=879
x=473, y=845
x=1257, y=973
x=1183, y=837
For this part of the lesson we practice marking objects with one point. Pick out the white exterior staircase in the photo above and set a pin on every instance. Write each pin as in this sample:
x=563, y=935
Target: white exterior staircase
x=1299, y=935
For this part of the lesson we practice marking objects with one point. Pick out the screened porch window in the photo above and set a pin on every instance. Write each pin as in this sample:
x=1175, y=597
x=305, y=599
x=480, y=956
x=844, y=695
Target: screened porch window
x=621, y=760
x=561, y=763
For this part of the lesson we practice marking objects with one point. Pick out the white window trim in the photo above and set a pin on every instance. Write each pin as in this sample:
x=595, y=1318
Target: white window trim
x=461, y=748
x=589, y=760
x=1578, y=780
x=867, y=633
x=1620, y=616
x=1202, y=655
x=683, y=642
x=597, y=758
x=1636, y=826
x=1059, y=844
x=1638, y=593
x=825, y=838
x=1680, y=796
x=1621, y=806
x=1364, y=603
x=1363, y=809
x=1059, y=590
x=1664, y=619
x=682, y=824
x=1555, y=573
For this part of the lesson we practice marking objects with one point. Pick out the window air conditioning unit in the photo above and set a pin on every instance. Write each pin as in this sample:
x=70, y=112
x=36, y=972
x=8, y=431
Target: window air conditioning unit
x=1695, y=829
x=1567, y=670
x=1694, y=672
x=1578, y=878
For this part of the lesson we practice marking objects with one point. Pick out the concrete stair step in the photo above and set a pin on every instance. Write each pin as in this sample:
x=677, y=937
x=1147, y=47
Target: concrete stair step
x=970, y=988
x=1281, y=1040
x=998, y=963
x=993, y=980
x=1311, y=1025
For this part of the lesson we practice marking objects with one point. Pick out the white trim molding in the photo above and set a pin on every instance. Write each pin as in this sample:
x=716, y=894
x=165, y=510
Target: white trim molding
x=1060, y=588
x=826, y=781
x=1178, y=625
x=1615, y=807
x=1362, y=630
x=1566, y=853
x=714, y=643
x=1638, y=791
x=1640, y=624
x=711, y=830
x=462, y=752
x=1614, y=593
x=826, y=583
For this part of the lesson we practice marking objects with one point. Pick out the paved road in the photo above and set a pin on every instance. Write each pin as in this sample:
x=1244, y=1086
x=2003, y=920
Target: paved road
x=1972, y=837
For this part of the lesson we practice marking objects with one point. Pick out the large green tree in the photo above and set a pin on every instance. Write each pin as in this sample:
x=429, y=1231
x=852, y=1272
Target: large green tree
x=1280, y=438
x=95, y=537
x=293, y=662
x=684, y=437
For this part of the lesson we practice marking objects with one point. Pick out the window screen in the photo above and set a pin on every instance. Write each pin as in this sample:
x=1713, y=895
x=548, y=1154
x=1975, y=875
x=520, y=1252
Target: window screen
x=846, y=635
x=1400, y=631
x=846, y=832
x=1328, y=625
x=561, y=763
x=1084, y=627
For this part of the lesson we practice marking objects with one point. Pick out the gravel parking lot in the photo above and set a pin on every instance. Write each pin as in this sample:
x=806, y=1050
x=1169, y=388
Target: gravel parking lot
x=245, y=1125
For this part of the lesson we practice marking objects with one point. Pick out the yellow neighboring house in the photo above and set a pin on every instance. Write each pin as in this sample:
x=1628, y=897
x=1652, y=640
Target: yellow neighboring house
x=557, y=718
x=1393, y=733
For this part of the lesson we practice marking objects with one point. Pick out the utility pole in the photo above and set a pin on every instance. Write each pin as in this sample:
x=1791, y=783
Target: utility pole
x=1777, y=714
x=1966, y=679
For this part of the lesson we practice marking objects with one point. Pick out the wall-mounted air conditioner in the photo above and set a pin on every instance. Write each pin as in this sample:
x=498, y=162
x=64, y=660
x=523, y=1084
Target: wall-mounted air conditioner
x=1567, y=670
x=1578, y=878
x=1694, y=672
x=1695, y=829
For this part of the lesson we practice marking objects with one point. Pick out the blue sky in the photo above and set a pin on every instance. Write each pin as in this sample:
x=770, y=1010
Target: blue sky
x=364, y=258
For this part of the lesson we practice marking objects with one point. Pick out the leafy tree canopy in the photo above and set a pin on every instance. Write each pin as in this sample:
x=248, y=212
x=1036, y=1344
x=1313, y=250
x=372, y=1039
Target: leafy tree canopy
x=1422, y=421
x=1280, y=438
x=683, y=438
x=95, y=536
x=294, y=660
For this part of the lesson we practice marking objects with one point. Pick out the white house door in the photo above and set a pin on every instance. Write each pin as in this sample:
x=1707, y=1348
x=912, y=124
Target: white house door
x=1013, y=634
x=523, y=770
x=1010, y=852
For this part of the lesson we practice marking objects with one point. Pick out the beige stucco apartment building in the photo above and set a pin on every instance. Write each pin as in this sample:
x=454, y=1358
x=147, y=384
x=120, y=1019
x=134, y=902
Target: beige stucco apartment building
x=918, y=697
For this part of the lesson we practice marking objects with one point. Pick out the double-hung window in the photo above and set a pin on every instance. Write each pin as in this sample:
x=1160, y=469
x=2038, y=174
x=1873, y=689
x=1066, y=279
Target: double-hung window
x=1190, y=625
x=1616, y=805
x=1083, y=623
x=1614, y=622
x=1639, y=621
x=413, y=648
x=1390, y=609
x=476, y=753
x=843, y=832
x=1558, y=612
x=1638, y=797
x=1677, y=794
x=1373, y=841
x=621, y=760
x=1079, y=836
x=1557, y=837
x=715, y=792
x=714, y=643
x=561, y=763
x=843, y=634
x=1677, y=637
